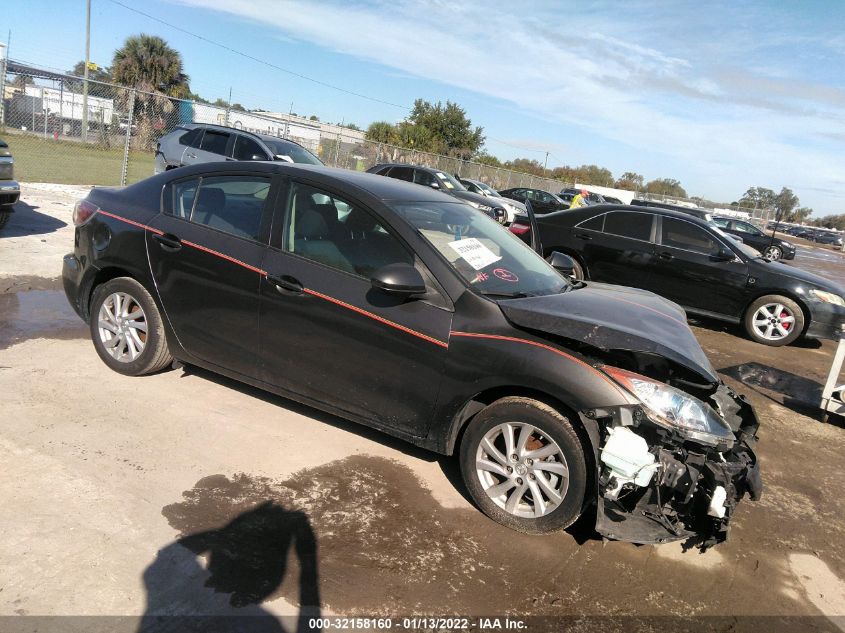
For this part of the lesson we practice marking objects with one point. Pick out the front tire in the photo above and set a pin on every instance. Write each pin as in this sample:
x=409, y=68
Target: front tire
x=773, y=253
x=4, y=217
x=126, y=328
x=774, y=320
x=524, y=465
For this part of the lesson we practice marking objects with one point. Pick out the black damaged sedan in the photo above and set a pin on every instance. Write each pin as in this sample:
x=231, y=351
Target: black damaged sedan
x=407, y=310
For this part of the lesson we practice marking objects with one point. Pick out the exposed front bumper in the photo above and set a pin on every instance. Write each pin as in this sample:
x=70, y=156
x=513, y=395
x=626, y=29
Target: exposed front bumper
x=694, y=491
x=10, y=192
x=827, y=320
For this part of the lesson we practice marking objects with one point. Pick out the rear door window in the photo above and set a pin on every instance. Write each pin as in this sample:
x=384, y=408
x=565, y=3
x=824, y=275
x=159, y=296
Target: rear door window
x=215, y=142
x=593, y=224
x=630, y=224
x=680, y=234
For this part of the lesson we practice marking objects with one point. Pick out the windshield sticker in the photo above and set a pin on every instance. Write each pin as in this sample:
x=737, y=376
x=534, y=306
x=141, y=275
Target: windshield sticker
x=481, y=276
x=505, y=275
x=474, y=252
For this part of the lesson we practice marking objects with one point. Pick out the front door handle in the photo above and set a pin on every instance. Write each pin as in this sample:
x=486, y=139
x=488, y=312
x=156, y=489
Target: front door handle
x=286, y=283
x=168, y=241
x=583, y=236
x=666, y=256
x=190, y=155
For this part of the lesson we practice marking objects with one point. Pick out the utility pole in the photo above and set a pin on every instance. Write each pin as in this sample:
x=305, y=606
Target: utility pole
x=3, y=80
x=228, y=107
x=546, y=162
x=85, y=72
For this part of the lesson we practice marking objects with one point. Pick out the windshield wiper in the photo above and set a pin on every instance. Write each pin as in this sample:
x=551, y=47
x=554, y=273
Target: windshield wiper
x=507, y=295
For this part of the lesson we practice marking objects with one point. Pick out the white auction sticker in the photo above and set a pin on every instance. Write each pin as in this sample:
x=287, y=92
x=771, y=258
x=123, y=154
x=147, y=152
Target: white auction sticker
x=474, y=252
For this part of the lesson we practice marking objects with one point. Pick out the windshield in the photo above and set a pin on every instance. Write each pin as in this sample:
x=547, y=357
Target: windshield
x=296, y=153
x=487, y=189
x=449, y=183
x=743, y=248
x=486, y=255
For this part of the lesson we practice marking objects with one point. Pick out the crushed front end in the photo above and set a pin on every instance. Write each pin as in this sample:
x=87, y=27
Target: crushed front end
x=672, y=466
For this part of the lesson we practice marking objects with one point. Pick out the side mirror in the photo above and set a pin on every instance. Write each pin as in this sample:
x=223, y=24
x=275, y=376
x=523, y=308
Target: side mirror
x=401, y=280
x=724, y=255
x=258, y=157
x=435, y=185
x=564, y=264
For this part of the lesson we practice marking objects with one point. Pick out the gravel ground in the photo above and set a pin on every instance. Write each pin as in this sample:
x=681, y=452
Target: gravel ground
x=187, y=493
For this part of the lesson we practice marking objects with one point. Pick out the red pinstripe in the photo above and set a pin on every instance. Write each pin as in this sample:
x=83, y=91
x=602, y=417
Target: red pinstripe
x=376, y=317
x=512, y=339
x=140, y=226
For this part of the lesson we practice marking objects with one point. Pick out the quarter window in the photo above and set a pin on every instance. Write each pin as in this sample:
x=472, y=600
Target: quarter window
x=629, y=224
x=593, y=224
x=679, y=234
x=232, y=204
x=215, y=142
x=246, y=148
x=402, y=173
x=326, y=229
x=192, y=138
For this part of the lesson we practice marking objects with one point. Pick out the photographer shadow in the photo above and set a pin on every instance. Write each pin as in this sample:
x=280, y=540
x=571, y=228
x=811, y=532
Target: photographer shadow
x=247, y=560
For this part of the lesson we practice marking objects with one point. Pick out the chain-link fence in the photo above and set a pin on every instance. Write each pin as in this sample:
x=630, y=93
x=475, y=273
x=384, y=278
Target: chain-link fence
x=109, y=136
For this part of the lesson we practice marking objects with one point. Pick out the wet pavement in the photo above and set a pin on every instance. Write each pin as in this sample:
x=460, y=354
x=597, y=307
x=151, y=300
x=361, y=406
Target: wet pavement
x=37, y=314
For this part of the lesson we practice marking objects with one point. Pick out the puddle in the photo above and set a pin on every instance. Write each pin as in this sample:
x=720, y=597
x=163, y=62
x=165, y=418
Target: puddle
x=362, y=536
x=38, y=314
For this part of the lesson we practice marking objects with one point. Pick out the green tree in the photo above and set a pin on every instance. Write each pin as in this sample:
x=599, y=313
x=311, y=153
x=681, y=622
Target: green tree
x=380, y=132
x=449, y=129
x=757, y=198
x=666, y=187
x=595, y=175
x=785, y=202
x=799, y=215
x=487, y=159
x=148, y=64
x=526, y=165
x=95, y=89
x=630, y=180
x=313, y=117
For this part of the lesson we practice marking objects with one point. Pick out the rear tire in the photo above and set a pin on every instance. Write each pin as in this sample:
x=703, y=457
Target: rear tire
x=773, y=253
x=126, y=328
x=542, y=444
x=4, y=217
x=774, y=320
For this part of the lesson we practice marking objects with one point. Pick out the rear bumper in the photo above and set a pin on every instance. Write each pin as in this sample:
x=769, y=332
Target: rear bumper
x=73, y=281
x=10, y=192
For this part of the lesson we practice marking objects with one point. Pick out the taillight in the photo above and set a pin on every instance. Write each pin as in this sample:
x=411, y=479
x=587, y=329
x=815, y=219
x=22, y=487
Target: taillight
x=519, y=229
x=84, y=211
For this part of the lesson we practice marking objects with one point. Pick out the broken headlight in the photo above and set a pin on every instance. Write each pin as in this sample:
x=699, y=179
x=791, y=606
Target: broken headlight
x=673, y=408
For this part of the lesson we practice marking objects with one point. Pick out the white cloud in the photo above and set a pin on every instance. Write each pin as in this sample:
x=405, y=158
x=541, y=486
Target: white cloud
x=623, y=75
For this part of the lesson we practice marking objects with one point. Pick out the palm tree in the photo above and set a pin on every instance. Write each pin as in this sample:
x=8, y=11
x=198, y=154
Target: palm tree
x=148, y=64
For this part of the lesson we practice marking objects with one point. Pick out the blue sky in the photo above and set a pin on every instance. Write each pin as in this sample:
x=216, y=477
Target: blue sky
x=721, y=96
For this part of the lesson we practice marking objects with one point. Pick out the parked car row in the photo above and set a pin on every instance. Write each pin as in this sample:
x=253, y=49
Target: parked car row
x=403, y=308
x=10, y=190
x=820, y=236
x=692, y=261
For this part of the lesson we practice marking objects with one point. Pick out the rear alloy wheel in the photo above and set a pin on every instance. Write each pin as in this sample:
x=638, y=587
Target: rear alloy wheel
x=774, y=320
x=524, y=465
x=773, y=253
x=126, y=328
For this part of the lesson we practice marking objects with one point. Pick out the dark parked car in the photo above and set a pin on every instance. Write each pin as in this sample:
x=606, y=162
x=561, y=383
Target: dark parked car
x=592, y=198
x=195, y=143
x=829, y=237
x=695, y=264
x=542, y=201
x=10, y=190
x=405, y=309
x=771, y=248
x=436, y=179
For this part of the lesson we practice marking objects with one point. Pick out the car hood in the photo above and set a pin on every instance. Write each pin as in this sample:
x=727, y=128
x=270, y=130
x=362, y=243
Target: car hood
x=614, y=318
x=782, y=268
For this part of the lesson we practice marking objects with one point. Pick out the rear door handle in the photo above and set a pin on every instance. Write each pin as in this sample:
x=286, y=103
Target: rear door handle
x=168, y=241
x=285, y=283
x=583, y=236
x=666, y=256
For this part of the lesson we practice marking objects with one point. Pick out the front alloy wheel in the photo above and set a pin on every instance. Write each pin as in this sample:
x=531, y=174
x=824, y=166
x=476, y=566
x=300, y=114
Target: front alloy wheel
x=524, y=465
x=773, y=253
x=774, y=320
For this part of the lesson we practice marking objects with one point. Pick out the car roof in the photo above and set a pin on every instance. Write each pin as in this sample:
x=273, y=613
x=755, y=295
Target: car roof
x=431, y=169
x=598, y=209
x=264, y=137
x=378, y=186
